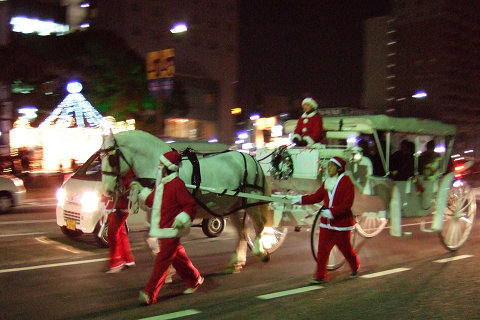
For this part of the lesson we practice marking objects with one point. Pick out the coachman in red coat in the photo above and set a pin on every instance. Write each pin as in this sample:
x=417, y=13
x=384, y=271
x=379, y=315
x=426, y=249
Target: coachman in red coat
x=336, y=223
x=309, y=129
x=173, y=209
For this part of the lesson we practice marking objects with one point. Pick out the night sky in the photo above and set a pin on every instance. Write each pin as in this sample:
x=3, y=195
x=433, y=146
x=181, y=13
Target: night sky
x=291, y=47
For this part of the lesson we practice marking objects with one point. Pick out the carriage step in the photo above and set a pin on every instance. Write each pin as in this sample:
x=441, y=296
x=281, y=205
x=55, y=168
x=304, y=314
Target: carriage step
x=406, y=234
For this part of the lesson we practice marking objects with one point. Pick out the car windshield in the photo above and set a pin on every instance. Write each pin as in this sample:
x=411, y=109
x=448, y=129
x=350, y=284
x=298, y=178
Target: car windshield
x=91, y=169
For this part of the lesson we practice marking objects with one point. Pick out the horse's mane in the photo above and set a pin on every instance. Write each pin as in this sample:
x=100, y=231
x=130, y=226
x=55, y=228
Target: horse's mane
x=144, y=149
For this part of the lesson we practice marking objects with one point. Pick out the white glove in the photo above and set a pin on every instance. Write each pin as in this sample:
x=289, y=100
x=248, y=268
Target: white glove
x=153, y=244
x=327, y=213
x=296, y=200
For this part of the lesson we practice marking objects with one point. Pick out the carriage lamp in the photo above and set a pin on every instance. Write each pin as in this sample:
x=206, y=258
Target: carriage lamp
x=61, y=195
x=89, y=201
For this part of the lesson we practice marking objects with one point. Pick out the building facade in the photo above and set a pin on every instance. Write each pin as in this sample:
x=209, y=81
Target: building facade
x=432, y=46
x=206, y=55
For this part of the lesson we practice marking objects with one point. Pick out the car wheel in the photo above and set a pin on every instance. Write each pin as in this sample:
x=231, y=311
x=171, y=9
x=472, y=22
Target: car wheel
x=6, y=202
x=213, y=227
x=71, y=233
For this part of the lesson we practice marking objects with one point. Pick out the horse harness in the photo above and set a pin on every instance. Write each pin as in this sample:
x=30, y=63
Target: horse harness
x=196, y=180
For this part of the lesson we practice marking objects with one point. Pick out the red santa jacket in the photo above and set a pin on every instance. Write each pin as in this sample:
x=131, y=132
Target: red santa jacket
x=339, y=201
x=309, y=128
x=174, y=204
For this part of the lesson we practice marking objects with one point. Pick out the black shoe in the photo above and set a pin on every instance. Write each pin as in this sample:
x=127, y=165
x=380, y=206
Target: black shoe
x=354, y=274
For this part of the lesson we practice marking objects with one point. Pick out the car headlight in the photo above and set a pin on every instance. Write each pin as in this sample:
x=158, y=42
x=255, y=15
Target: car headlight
x=17, y=182
x=89, y=201
x=61, y=195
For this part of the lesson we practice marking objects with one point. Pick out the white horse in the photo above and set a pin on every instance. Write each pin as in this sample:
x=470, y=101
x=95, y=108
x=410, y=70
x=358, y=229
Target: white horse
x=230, y=170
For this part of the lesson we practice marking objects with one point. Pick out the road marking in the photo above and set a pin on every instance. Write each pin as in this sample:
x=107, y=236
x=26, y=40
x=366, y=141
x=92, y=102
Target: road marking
x=65, y=247
x=173, y=315
x=288, y=292
x=27, y=221
x=384, y=273
x=20, y=234
x=464, y=256
x=52, y=265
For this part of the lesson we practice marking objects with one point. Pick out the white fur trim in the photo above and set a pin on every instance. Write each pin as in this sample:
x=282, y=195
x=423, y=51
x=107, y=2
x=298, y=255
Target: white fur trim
x=311, y=102
x=296, y=135
x=183, y=220
x=142, y=196
x=309, y=140
x=305, y=121
x=171, y=166
x=170, y=177
x=309, y=115
x=336, y=162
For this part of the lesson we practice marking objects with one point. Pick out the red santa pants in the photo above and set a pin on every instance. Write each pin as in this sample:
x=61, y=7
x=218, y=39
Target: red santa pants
x=171, y=253
x=329, y=238
x=118, y=243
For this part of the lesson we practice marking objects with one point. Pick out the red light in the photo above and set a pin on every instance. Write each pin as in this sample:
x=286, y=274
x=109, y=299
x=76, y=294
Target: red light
x=458, y=175
x=458, y=168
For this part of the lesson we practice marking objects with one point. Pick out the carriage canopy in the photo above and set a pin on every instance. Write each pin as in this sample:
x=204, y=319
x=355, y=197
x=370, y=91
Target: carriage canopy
x=370, y=123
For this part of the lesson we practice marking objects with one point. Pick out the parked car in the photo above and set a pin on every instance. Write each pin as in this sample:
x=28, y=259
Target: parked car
x=12, y=192
x=79, y=209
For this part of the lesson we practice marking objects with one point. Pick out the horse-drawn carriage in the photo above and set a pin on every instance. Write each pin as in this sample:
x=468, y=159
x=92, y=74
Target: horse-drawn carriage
x=235, y=183
x=445, y=205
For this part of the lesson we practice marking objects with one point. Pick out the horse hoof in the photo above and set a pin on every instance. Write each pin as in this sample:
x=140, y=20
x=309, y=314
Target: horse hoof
x=233, y=269
x=266, y=257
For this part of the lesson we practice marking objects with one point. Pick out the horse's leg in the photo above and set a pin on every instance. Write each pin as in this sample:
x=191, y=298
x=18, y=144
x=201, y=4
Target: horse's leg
x=239, y=258
x=261, y=216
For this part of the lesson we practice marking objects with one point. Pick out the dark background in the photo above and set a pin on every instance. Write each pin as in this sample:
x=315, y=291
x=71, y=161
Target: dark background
x=291, y=48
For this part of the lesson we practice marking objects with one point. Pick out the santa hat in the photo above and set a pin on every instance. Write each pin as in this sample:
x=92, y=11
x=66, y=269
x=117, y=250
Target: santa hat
x=172, y=160
x=339, y=162
x=311, y=102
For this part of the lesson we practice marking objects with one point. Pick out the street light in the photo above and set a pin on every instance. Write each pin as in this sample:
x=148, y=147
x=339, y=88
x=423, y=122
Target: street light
x=419, y=94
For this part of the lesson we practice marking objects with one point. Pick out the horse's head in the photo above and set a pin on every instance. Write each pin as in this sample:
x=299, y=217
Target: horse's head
x=114, y=165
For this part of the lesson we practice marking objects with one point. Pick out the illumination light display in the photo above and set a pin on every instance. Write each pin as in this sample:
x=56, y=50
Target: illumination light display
x=72, y=131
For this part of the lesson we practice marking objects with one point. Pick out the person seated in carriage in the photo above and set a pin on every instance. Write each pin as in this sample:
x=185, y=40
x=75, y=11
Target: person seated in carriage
x=309, y=129
x=402, y=162
x=429, y=161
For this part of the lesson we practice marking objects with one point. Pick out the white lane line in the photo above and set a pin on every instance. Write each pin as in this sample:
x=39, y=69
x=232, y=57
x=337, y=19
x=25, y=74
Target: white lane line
x=288, y=292
x=173, y=315
x=64, y=247
x=20, y=234
x=52, y=265
x=464, y=256
x=27, y=221
x=384, y=273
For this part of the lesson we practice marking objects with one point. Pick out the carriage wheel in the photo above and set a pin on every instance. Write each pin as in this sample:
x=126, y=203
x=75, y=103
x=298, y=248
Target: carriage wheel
x=336, y=259
x=369, y=227
x=275, y=236
x=458, y=217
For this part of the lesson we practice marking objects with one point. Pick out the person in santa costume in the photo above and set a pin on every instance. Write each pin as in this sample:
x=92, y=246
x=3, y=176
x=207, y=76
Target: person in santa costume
x=119, y=246
x=336, y=223
x=309, y=129
x=173, y=209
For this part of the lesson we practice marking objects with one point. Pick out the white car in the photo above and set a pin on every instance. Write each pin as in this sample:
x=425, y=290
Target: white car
x=79, y=209
x=12, y=192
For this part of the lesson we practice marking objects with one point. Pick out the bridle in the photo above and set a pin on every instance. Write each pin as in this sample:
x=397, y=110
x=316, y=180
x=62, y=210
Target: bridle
x=114, y=156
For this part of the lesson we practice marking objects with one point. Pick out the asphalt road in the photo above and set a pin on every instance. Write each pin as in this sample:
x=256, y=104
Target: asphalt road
x=45, y=275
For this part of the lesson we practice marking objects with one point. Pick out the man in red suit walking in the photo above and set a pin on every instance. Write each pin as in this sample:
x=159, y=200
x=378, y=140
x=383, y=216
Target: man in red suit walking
x=309, y=129
x=173, y=209
x=119, y=246
x=336, y=223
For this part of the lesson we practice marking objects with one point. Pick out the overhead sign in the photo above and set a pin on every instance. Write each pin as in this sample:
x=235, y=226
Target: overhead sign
x=160, y=64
